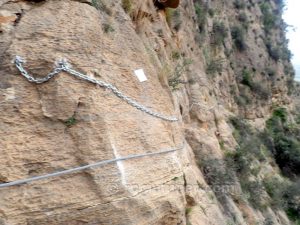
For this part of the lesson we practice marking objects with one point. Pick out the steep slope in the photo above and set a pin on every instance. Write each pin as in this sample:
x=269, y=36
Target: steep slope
x=208, y=63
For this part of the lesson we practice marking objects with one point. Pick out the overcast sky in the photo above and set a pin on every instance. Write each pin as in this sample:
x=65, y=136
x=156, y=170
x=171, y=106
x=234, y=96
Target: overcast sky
x=292, y=17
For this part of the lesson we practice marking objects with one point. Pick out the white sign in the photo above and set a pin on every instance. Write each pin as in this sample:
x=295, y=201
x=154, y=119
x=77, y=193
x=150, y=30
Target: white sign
x=140, y=75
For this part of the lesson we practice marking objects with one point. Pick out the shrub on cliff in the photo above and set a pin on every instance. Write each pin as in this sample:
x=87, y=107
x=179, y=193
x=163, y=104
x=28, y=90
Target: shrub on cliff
x=242, y=17
x=216, y=171
x=268, y=16
x=286, y=142
x=219, y=33
x=127, y=5
x=250, y=149
x=278, y=51
x=292, y=202
x=173, y=18
x=176, y=79
x=274, y=52
x=238, y=37
x=282, y=139
x=201, y=13
x=239, y=4
x=100, y=5
x=214, y=66
x=276, y=187
x=261, y=91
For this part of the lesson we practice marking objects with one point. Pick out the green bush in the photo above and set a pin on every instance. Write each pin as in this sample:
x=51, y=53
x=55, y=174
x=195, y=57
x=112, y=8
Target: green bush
x=107, y=28
x=175, y=80
x=201, y=12
x=95, y=3
x=240, y=125
x=286, y=54
x=173, y=18
x=127, y=5
x=284, y=194
x=287, y=153
x=176, y=55
x=239, y=161
x=289, y=69
x=188, y=210
x=239, y=4
x=211, y=12
x=286, y=142
x=254, y=191
x=278, y=52
x=292, y=198
x=280, y=113
x=274, y=52
x=217, y=173
x=246, y=78
x=251, y=147
x=270, y=72
x=293, y=215
x=282, y=139
x=219, y=33
x=262, y=92
x=250, y=142
x=242, y=17
x=71, y=121
x=269, y=18
x=238, y=36
x=268, y=221
x=276, y=189
x=214, y=66
x=98, y=4
x=242, y=100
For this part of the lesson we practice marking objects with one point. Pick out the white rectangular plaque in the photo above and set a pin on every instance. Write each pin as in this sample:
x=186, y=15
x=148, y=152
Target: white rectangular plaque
x=140, y=75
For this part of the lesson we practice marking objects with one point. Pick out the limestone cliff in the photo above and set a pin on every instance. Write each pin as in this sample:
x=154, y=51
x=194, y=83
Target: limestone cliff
x=207, y=62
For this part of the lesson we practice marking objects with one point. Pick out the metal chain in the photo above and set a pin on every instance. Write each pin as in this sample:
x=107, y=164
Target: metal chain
x=96, y=164
x=64, y=66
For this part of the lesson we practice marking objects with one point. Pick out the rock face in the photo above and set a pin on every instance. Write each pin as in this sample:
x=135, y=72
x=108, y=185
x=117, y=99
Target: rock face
x=68, y=122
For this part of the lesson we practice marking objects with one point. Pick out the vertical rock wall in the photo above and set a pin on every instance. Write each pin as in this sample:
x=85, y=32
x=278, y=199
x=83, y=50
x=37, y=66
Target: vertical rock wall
x=68, y=122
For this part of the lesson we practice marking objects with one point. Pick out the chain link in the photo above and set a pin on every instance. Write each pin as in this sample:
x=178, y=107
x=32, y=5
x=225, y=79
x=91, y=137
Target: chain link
x=64, y=66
